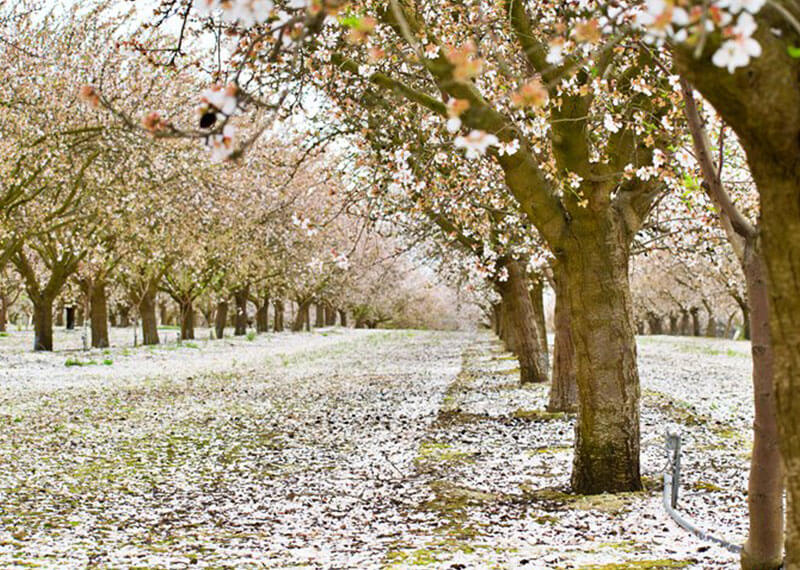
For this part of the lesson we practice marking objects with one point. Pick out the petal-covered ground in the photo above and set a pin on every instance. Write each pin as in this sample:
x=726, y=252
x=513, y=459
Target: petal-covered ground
x=349, y=449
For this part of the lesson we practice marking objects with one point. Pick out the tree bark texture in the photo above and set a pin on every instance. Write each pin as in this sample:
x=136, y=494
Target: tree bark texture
x=98, y=309
x=564, y=390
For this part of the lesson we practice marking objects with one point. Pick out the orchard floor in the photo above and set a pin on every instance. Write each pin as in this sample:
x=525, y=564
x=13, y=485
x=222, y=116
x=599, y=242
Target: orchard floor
x=348, y=449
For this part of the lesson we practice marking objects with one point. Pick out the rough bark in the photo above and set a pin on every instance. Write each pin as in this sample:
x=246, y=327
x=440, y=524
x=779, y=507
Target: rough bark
x=98, y=309
x=564, y=390
x=521, y=321
x=241, y=296
x=59, y=321
x=764, y=545
x=220, y=318
x=43, y=324
x=343, y=317
x=601, y=313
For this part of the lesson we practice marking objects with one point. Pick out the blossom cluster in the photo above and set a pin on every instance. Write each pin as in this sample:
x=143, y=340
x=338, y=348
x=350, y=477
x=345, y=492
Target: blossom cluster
x=666, y=19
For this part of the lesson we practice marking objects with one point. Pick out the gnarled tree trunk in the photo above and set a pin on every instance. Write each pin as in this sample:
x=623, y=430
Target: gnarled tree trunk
x=601, y=314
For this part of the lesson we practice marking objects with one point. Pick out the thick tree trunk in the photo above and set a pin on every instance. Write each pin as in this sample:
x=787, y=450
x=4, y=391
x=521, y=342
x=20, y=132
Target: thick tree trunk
x=342, y=317
x=220, y=318
x=764, y=545
x=711, y=326
x=98, y=308
x=601, y=313
x=70, y=318
x=277, y=320
x=147, y=310
x=187, y=319
x=241, y=296
x=319, y=315
x=43, y=324
x=262, y=316
x=564, y=390
x=537, y=300
x=780, y=223
x=330, y=316
x=521, y=321
x=302, y=316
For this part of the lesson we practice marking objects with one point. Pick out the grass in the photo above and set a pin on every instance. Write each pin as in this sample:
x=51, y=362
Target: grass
x=77, y=362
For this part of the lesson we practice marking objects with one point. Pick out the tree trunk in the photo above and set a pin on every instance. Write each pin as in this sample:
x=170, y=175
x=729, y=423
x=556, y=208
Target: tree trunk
x=70, y=318
x=654, y=323
x=330, y=316
x=711, y=326
x=780, y=223
x=537, y=300
x=43, y=324
x=319, y=315
x=241, y=296
x=695, y=313
x=601, y=313
x=564, y=390
x=521, y=319
x=342, y=318
x=147, y=310
x=262, y=316
x=187, y=319
x=60, y=315
x=308, y=318
x=220, y=318
x=3, y=312
x=673, y=324
x=98, y=309
x=124, y=315
x=764, y=545
x=301, y=318
x=686, y=327
x=163, y=312
x=744, y=305
x=277, y=322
